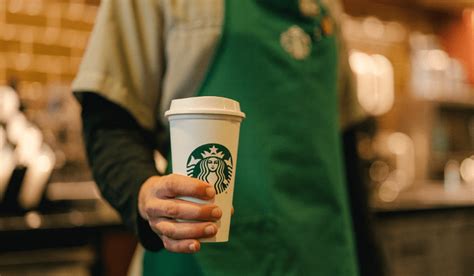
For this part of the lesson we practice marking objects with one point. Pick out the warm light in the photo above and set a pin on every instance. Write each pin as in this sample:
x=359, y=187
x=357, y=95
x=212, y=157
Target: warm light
x=437, y=60
x=9, y=103
x=373, y=27
x=16, y=127
x=374, y=82
x=403, y=147
x=398, y=143
x=350, y=27
x=379, y=171
x=468, y=16
x=467, y=169
x=29, y=144
x=44, y=163
x=452, y=179
x=40, y=167
x=388, y=191
x=33, y=219
x=402, y=177
x=364, y=66
x=360, y=63
x=384, y=84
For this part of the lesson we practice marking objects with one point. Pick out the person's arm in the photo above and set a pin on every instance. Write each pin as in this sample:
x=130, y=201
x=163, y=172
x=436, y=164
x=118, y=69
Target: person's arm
x=123, y=65
x=120, y=153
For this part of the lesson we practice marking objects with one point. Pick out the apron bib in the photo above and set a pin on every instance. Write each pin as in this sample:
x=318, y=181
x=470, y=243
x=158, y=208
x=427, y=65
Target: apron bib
x=291, y=211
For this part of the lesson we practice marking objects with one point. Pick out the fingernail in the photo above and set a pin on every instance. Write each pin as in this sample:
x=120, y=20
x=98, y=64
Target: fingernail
x=216, y=212
x=192, y=247
x=210, y=192
x=209, y=230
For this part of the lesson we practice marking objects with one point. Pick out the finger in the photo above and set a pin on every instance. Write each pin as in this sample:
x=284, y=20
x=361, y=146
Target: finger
x=181, y=246
x=174, y=185
x=181, y=209
x=184, y=230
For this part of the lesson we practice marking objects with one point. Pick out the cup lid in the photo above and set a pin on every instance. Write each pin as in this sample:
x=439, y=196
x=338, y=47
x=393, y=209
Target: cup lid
x=205, y=105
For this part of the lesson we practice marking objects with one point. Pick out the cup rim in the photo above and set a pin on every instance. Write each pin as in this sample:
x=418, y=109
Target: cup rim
x=170, y=113
x=213, y=105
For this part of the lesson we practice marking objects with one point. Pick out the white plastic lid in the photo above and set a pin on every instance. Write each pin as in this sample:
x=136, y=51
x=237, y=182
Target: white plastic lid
x=205, y=105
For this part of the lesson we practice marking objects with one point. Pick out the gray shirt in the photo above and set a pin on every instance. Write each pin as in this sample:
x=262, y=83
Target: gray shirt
x=144, y=53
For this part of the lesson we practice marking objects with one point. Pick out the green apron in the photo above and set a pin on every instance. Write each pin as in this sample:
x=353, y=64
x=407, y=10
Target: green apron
x=291, y=212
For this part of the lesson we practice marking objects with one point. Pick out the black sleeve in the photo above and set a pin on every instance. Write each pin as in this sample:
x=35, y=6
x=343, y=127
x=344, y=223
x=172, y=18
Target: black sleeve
x=120, y=153
x=369, y=254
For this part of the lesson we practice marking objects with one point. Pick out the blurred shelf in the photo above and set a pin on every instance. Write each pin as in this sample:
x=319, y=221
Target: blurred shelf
x=463, y=101
x=467, y=103
x=428, y=196
x=66, y=255
x=444, y=5
x=58, y=261
x=85, y=190
x=85, y=214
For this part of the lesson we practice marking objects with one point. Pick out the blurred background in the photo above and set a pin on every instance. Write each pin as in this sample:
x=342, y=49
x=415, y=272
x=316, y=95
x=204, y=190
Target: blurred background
x=413, y=65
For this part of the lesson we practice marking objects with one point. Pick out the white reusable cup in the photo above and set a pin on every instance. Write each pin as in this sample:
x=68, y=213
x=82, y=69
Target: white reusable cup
x=204, y=140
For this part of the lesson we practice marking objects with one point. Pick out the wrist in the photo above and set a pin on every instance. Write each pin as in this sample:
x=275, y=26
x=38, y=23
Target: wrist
x=143, y=193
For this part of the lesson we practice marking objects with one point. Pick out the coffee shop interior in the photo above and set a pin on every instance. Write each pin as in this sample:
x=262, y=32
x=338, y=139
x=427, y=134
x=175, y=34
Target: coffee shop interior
x=412, y=62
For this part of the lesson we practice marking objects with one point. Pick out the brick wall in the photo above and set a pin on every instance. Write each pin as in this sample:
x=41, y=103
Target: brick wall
x=41, y=45
x=42, y=41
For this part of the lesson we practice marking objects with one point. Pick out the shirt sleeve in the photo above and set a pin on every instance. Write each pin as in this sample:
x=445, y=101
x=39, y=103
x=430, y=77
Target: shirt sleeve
x=120, y=153
x=123, y=61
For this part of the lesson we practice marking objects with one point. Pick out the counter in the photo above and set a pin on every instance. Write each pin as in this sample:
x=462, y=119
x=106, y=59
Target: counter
x=427, y=231
x=72, y=232
x=428, y=196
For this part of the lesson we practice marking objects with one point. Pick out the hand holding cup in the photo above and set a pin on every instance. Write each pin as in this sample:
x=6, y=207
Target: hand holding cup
x=160, y=205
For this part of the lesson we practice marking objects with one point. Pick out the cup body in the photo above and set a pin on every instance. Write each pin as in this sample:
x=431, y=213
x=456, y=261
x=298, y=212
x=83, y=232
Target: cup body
x=205, y=146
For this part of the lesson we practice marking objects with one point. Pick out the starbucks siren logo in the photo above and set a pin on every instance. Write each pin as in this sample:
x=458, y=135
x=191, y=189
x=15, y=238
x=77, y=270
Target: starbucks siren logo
x=211, y=163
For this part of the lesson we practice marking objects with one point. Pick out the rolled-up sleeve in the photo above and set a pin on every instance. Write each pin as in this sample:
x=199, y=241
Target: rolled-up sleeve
x=124, y=58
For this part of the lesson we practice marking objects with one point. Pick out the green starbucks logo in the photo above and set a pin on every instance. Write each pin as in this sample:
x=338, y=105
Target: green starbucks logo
x=211, y=163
